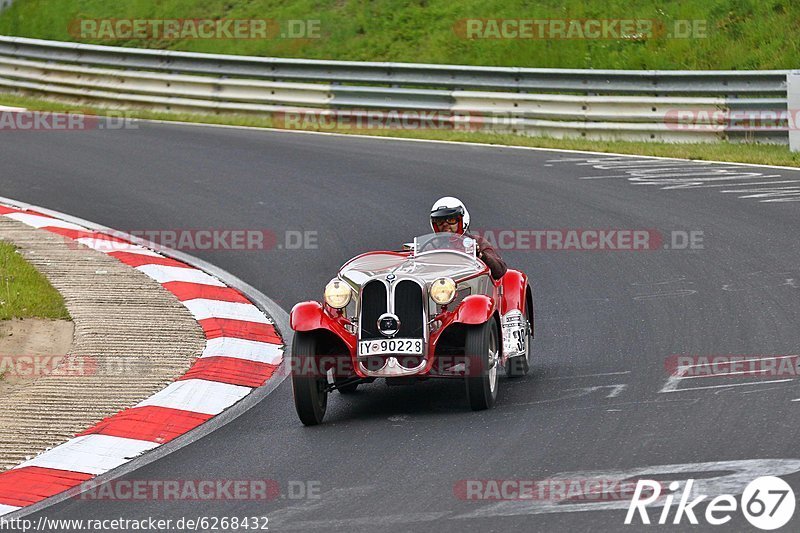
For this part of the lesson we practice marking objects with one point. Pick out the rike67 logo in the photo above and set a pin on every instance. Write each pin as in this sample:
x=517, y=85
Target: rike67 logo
x=767, y=503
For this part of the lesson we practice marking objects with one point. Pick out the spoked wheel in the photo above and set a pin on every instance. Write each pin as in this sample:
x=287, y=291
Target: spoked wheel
x=483, y=356
x=309, y=384
x=520, y=365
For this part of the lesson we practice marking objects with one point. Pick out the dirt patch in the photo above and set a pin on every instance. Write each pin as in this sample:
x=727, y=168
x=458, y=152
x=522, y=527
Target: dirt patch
x=30, y=348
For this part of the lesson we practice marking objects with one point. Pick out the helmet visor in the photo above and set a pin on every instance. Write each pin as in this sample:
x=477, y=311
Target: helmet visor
x=446, y=212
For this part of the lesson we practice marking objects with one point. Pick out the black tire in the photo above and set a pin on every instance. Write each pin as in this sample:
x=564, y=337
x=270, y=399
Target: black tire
x=308, y=385
x=482, y=349
x=519, y=366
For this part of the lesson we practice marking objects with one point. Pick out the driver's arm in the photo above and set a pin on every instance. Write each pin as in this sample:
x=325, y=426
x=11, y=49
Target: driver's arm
x=488, y=255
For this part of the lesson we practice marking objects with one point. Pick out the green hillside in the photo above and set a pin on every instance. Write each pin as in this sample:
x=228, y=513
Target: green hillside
x=736, y=34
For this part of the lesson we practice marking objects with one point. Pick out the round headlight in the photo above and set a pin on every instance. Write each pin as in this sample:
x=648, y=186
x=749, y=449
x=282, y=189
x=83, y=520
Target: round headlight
x=443, y=291
x=337, y=294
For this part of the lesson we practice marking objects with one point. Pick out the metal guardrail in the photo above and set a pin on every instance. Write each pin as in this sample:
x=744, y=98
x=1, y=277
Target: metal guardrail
x=601, y=104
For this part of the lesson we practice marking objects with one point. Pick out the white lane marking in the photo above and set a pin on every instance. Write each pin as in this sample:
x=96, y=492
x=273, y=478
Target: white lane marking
x=616, y=390
x=91, y=454
x=580, y=392
x=679, y=375
x=737, y=361
x=198, y=396
x=38, y=221
x=12, y=109
x=727, y=386
x=5, y=509
x=202, y=308
x=262, y=352
x=715, y=374
x=589, y=375
x=165, y=274
x=742, y=184
x=108, y=246
x=772, y=194
x=732, y=477
x=685, y=174
x=725, y=374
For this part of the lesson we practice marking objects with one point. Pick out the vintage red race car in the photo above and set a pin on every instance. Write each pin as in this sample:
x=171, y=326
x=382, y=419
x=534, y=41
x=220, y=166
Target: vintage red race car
x=429, y=311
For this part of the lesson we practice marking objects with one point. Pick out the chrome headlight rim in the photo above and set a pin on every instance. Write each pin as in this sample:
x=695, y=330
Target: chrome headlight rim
x=337, y=294
x=448, y=289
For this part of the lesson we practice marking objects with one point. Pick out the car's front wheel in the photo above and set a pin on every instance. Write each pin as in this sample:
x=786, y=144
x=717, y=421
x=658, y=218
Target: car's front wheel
x=309, y=383
x=483, y=358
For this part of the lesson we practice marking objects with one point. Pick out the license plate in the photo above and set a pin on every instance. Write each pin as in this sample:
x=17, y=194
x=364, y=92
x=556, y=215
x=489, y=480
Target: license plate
x=391, y=347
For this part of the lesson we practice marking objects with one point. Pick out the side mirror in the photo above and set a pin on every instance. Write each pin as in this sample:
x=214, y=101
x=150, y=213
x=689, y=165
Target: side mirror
x=408, y=246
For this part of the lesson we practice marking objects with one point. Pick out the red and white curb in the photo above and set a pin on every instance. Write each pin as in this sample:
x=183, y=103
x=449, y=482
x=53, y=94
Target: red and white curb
x=243, y=350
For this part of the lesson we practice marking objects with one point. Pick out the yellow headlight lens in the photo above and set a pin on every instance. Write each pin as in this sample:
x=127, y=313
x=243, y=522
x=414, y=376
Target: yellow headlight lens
x=337, y=294
x=443, y=291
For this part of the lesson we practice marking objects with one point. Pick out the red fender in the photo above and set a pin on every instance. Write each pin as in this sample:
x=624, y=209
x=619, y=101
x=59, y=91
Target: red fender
x=514, y=283
x=474, y=309
x=310, y=316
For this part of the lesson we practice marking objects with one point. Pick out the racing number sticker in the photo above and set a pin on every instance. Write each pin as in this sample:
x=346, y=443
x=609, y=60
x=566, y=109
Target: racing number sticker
x=515, y=333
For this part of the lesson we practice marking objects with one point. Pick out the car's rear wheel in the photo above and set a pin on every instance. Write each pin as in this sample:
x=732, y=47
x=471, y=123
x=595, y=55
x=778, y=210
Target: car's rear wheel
x=482, y=349
x=520, y=365
x=309, y=383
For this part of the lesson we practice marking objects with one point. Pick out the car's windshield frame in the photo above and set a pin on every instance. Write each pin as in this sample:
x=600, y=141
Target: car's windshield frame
x=462, y=244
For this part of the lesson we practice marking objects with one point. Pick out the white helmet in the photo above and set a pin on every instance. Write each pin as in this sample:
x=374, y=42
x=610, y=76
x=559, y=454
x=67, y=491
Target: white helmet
x=450, y=206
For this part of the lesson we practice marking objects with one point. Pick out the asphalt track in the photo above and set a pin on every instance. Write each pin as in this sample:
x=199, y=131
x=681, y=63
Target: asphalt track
x=595, y=405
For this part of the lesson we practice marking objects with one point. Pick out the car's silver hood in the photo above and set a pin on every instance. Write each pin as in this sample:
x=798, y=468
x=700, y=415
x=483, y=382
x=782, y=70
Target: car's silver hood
x=427, y=266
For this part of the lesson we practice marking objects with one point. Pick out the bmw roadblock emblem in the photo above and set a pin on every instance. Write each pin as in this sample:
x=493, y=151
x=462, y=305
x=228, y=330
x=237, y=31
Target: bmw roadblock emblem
x=388, y=324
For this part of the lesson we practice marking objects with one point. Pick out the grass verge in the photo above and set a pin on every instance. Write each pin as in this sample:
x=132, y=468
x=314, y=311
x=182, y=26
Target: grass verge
x=762, y=154
x=24, y=292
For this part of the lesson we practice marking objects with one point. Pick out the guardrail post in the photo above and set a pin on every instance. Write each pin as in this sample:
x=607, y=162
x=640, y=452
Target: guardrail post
x=793, y=104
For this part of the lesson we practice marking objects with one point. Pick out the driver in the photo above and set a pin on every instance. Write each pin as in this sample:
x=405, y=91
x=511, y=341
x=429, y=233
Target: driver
x=450, y=215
